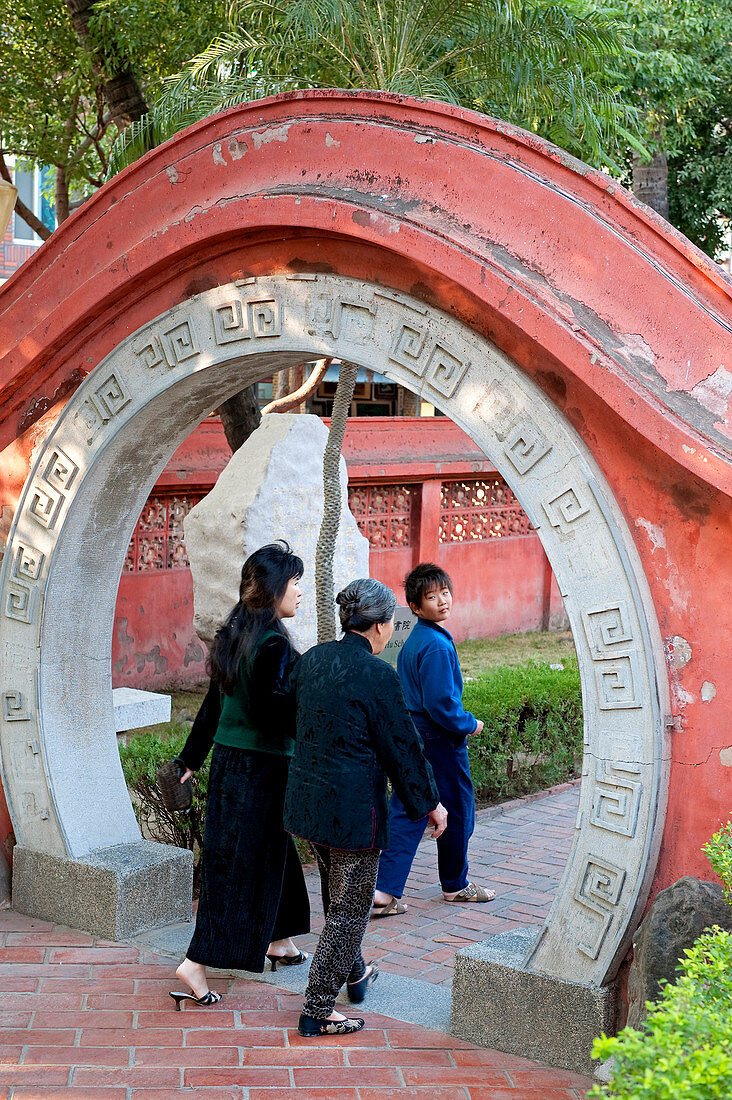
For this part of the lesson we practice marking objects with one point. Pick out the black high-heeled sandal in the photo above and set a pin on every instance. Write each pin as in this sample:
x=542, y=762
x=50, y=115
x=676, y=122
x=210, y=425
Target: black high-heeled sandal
x=288, y=960
x=310, y=1027
x=208, y=998
x=357, y=990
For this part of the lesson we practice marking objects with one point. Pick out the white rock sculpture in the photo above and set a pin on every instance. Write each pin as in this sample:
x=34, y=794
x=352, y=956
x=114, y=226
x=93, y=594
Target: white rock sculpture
x=272, y=488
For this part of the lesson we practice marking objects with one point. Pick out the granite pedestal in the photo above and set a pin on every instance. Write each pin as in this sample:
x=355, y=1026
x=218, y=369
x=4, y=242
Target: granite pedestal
x=497, y=1003
x=112, y=892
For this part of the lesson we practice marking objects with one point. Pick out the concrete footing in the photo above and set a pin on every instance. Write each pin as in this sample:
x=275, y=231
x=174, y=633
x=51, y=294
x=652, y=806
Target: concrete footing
x=497, y=1003
x=112, y=892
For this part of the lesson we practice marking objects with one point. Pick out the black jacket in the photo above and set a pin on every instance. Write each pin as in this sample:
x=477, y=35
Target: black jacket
x=269, y=700
x=353, y=730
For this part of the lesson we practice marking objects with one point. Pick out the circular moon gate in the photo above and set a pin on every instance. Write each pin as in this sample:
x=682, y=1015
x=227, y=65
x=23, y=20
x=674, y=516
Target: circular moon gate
x=89, y=483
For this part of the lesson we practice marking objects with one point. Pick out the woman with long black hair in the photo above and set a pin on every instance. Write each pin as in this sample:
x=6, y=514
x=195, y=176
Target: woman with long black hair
x=253, y=897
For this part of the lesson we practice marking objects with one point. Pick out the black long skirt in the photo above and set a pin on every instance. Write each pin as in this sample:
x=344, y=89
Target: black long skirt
x=252, y=887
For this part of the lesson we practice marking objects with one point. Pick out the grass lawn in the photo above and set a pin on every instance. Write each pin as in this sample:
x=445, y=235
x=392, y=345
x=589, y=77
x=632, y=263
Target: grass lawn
x=481, y=654
x=476, y=657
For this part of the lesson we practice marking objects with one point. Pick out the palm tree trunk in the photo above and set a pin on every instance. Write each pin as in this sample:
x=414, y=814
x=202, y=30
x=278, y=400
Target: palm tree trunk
x=121, y=90
x=650, y=182
x=325, y=550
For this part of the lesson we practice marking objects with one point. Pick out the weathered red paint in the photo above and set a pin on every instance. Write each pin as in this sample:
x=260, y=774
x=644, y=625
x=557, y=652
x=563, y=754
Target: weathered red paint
x=621, y=321
x=503, y=585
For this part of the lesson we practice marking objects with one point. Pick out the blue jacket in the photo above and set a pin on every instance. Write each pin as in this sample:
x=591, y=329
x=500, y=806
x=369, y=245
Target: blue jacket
x=429, y=670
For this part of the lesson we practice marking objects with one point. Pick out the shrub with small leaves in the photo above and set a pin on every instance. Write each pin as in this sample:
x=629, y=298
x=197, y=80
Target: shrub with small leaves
x=141, y=759
x=719, y=853
x=532, y=734
x=684, y=1050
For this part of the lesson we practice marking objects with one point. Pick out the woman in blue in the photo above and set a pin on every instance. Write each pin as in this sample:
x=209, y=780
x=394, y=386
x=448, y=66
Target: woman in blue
x=429, y=670
x=253, y=895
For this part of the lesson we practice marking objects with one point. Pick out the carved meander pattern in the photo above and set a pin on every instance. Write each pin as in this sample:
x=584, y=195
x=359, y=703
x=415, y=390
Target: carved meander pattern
x=527, y=440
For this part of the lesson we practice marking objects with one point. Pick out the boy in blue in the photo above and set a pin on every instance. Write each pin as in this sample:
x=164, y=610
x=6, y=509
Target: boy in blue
x=429, y=670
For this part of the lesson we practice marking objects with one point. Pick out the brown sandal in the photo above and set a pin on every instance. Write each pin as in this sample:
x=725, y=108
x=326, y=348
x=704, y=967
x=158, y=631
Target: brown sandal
x=471, y=892
x=393, y=908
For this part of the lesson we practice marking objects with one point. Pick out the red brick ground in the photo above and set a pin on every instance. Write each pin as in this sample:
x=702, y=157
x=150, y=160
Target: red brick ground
x=81, y=1017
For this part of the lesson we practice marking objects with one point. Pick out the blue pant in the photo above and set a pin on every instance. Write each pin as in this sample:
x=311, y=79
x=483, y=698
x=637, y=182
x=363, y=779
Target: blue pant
x=452, y=774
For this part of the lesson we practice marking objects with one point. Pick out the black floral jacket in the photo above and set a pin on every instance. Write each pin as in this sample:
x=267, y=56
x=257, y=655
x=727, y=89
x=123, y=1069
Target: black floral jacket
x=353, y=730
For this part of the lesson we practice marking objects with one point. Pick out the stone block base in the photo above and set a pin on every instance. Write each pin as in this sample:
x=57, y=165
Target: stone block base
x=112, y=892
x=134, y=708
x=498, y=1004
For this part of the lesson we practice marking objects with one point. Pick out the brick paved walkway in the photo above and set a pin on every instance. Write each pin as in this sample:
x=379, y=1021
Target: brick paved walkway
x=81, y=1017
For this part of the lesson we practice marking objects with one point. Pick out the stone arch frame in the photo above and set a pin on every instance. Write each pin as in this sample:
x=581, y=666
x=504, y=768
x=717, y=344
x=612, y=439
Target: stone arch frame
x=95, y=470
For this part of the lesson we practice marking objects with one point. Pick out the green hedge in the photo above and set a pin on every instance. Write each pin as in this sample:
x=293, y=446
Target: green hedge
x=684, y=1050
x=532, y=736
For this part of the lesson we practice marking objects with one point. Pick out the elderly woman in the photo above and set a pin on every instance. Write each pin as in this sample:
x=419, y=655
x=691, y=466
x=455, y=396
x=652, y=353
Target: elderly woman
x=353, y=731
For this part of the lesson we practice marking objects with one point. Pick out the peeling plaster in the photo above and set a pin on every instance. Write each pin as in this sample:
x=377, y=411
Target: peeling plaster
x=725, y=757
x=274, y=133
x=237, y=149
x=654, y=532
x=172, y=173
x=638, y=347
x=684, y=698
x=218, y=156
x=678, y=651
x=330, y=141
x=708, y=691
x=381, y=223
x=714, y=391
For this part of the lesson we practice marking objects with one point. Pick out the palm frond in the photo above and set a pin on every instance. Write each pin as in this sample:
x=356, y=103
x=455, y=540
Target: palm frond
x=548, y=65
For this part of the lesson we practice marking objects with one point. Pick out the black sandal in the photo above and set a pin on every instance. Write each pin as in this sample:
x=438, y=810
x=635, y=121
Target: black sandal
x=357, y=990
x=310, y=1027
x=288, y=960
x=208, y=998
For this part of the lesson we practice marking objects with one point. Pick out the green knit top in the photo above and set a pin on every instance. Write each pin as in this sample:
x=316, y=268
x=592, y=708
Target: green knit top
x=260, y=715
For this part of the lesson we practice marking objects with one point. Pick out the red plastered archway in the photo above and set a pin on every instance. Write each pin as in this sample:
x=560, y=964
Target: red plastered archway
x=622, y=324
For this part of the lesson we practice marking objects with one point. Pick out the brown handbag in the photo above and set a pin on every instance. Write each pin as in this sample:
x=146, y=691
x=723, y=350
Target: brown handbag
x=176, y=796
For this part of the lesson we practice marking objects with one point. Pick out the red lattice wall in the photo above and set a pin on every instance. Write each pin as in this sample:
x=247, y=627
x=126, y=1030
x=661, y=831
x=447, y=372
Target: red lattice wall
x=448, y=504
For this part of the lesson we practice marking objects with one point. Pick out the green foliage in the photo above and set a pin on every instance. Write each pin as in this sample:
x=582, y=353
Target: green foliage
x=141, y=758
x=529, y=711
x=684, y=1051
x=548, y=65
x=719, y=853
x=680, y=78
x=52, y=110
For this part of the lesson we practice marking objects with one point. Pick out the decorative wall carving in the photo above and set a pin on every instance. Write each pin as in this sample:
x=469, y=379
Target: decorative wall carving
x=557, y=492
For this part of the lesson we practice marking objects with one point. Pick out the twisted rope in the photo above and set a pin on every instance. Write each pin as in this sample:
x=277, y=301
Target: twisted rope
x=325, y=550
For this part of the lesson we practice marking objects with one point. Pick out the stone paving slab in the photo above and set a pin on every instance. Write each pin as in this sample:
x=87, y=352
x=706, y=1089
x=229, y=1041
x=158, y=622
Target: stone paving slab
x=83, y=1017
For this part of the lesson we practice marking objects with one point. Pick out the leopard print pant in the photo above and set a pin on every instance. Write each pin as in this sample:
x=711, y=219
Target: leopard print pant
x=348, y=881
